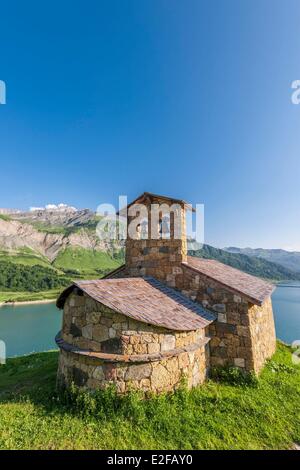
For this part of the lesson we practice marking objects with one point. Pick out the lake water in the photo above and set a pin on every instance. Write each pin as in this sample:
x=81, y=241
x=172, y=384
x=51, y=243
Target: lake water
x=286, y=306
x=28, y=328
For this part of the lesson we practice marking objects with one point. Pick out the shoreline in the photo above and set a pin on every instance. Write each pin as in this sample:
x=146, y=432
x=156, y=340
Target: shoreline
x=16, y=303
x=288, y=285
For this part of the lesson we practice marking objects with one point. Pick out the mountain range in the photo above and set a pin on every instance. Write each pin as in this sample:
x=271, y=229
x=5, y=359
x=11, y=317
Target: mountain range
x=62, y=242
x=288, y=259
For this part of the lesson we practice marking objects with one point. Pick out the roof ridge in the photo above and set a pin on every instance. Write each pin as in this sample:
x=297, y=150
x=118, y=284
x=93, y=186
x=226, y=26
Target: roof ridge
x=148, y=195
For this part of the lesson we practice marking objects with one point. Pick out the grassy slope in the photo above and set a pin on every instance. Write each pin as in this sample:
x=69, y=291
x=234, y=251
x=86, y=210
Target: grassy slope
x=288, y=259
x=84, y=261
x=25, y=256
x=213, y=416
x=10, y=296
x=5, y=217
x=89, y=225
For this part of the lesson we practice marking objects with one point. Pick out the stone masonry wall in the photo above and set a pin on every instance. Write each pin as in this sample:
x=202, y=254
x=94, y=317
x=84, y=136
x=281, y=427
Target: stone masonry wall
x=157, y=376
x=128, y=353
x=262, y=333
x=157, y=257
x=88, y=324
x=244, y=334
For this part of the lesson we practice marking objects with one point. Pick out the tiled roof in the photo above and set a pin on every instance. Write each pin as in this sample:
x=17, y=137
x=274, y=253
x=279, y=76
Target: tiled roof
x=253, y=288
x=146, y=300
x=151, y=197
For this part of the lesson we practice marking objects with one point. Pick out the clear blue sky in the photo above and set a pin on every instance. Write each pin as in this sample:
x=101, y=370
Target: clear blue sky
x=185, y=98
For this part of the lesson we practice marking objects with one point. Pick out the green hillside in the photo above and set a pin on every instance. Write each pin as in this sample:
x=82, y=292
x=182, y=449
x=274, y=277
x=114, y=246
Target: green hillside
x=27, y=275
x=251, y=265
x=66, y=230
x=17, y=277
x=24, y=271
x=5, y=217
x=27, y=296
x=228, y=412
x=25, y=256
x=84, y=262
x=288, y=259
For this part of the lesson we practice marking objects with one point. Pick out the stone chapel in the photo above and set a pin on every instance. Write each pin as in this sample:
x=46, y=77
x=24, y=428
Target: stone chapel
x=163, y=317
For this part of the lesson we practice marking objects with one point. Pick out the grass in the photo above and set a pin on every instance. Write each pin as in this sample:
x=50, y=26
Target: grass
x=55, y=229
x=25, y=256
x=10, y=296
x=264, y=414
x=89, y=225
x=85, y=262
x=75, y=263
x=5, y=217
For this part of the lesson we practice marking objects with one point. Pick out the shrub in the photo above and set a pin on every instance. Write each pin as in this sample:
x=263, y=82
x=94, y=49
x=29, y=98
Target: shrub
x=234, y=376
x=280, y=367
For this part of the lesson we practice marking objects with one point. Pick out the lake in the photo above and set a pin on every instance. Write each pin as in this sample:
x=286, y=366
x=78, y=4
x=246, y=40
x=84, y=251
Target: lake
x=286, y=306
x=28, y=328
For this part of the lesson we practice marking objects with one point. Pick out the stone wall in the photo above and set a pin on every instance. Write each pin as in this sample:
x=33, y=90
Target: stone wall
x=158, y=256
x=101, y=347
x=262, y=333
x=91, y=325
x=244, y=334
x=158, y=376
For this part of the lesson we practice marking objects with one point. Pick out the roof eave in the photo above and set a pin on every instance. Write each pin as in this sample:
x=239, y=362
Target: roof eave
x=60, y=302
x=147, y=195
